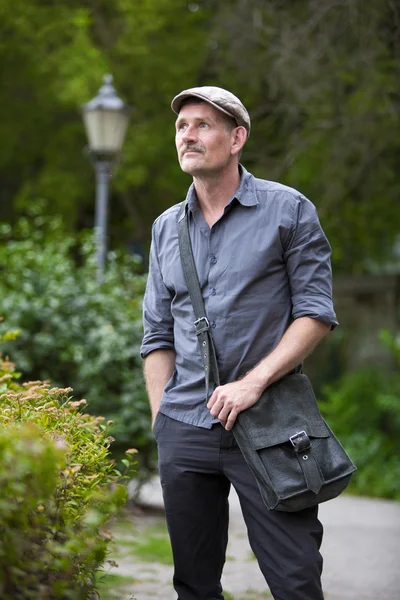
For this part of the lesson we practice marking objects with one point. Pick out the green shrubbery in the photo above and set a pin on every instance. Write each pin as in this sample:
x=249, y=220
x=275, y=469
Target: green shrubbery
x=58, y=488
x=364, y=411
x=73, y=331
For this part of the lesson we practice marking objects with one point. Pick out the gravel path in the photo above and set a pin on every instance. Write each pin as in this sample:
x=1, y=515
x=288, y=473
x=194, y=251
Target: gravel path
x=361, y=550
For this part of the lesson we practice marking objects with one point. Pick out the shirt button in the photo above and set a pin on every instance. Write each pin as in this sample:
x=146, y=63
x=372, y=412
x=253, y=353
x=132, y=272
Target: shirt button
x=213, y=259
x=213, y=291
x=213, y=324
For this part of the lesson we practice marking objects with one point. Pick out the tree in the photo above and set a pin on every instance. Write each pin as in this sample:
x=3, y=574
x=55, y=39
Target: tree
x=321, y=80
x=53, y=57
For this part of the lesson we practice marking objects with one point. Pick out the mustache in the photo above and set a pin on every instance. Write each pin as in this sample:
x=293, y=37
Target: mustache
x=193, y=147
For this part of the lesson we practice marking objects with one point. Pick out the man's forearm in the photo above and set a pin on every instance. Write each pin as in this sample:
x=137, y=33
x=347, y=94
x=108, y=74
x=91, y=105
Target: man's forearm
x=158, y=368
x=297, y=343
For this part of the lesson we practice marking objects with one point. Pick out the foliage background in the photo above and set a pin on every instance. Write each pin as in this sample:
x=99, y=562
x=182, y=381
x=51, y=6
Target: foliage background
x=320, y=78
x=321, y=81
x=70, y=329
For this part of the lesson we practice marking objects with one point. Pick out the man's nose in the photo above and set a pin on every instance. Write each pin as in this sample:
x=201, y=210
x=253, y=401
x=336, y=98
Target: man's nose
x=189, y=134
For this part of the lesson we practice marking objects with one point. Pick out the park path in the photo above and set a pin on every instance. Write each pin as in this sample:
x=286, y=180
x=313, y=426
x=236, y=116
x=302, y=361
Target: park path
x=361, y=550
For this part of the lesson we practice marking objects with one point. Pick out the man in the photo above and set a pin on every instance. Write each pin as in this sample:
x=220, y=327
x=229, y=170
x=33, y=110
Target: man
x=264, y=269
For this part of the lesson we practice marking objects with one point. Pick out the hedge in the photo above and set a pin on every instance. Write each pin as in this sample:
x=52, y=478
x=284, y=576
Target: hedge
x=59, y=487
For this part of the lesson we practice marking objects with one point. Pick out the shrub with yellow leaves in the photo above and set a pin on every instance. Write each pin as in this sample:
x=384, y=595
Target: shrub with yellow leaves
x=59, y=488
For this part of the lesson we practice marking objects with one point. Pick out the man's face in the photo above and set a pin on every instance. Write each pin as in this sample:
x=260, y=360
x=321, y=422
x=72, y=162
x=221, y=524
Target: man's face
x=202, y=139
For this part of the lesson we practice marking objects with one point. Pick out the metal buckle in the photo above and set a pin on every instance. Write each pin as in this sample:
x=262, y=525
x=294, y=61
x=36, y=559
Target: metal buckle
x=198, y=321
x=300, y=441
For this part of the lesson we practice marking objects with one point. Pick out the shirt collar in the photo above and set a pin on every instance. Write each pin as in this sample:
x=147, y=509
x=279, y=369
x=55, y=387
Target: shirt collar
x=245, y=194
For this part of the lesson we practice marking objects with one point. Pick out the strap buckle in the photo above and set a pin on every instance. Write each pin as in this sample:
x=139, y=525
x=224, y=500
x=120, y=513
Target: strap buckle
x=300, y=441
x=202, y=325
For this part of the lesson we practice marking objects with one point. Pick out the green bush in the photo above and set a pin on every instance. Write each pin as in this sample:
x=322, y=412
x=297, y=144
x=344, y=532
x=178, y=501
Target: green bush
x=364, y=411
x=73, y=331
x=58, y=488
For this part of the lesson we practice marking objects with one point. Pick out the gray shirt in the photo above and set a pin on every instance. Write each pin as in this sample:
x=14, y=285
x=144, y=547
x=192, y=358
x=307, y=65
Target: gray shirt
x=264, y=263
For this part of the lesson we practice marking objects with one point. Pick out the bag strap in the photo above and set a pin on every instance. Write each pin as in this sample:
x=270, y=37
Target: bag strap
x=202, y=325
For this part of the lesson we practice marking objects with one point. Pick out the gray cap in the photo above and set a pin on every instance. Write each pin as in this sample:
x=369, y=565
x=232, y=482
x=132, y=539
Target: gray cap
x=221, y=99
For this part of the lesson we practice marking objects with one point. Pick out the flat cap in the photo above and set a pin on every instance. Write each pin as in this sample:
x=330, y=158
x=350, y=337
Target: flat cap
x=221, y=99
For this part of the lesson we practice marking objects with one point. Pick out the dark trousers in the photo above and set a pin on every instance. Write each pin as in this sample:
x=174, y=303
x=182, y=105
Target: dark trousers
x=197, y=467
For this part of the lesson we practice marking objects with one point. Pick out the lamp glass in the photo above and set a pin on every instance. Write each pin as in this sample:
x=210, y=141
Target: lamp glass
x=105, y=129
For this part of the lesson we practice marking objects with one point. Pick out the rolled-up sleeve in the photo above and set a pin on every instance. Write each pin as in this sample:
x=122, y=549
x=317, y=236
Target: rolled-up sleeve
x=157, y=318
x=308, y=266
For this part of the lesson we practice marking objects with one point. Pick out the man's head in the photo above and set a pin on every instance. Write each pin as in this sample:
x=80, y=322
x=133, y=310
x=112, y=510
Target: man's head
x=211, y=129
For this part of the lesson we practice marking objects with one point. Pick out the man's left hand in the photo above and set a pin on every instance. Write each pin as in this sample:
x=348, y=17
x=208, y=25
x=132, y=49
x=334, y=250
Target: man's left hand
x=227, y=401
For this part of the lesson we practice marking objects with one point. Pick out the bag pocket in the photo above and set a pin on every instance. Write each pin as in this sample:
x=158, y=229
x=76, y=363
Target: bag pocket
x=296, y=468
x=292, y=471
x=295, y=457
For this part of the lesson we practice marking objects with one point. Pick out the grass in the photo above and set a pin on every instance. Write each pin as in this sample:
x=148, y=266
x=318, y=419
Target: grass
x=154, y=547
x=111, y=586
x=149, y=544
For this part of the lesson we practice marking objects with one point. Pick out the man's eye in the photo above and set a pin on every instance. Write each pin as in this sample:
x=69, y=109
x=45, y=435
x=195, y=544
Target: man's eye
x=182, y=126
x=204, y=125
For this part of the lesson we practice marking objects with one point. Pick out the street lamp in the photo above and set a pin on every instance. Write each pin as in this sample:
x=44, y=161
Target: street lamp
x=106, y=121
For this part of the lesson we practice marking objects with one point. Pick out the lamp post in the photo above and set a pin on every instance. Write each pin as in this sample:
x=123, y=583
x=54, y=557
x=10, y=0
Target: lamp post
x=106, y=121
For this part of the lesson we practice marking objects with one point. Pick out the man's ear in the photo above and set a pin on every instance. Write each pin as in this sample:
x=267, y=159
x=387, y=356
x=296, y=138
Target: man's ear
x=239, y=137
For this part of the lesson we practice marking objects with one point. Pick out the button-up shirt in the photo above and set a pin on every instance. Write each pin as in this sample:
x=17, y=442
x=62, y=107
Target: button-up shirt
x=264, y=263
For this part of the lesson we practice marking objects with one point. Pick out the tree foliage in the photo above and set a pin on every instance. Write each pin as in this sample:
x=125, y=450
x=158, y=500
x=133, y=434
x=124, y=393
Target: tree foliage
x=53, y=55
x=320, y=79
